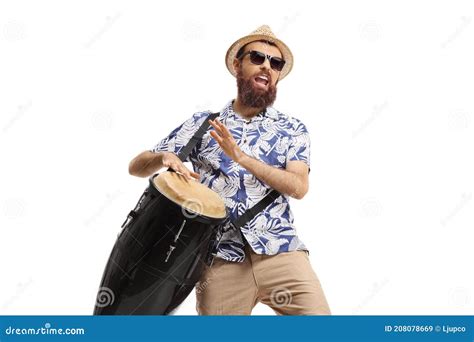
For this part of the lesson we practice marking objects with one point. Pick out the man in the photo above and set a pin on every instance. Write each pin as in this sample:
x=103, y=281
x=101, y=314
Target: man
x=251, y=149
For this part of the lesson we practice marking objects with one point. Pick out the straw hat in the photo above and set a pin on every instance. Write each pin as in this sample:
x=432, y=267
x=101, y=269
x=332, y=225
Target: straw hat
x=263, y=32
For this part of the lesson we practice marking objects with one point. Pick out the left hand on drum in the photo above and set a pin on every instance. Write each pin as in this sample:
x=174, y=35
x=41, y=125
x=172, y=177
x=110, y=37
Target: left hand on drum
x=172, y=161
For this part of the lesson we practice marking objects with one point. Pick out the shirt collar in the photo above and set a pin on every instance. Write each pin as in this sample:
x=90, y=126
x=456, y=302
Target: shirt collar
x=269, y=112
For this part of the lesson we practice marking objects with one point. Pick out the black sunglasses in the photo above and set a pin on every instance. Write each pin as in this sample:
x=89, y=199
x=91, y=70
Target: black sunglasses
x=258, y=58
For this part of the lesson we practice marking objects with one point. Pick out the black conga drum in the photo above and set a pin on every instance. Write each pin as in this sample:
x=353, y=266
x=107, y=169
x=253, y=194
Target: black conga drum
x=163, y=247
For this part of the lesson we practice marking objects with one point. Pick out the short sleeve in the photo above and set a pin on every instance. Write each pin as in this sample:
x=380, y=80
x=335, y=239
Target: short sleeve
x=181, y=135
x=300, y=145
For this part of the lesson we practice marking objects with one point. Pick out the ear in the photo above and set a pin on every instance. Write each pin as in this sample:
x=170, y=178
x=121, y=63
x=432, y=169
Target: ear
x=236, y=64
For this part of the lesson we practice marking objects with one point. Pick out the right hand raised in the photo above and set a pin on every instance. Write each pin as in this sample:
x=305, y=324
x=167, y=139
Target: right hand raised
x=172, y=161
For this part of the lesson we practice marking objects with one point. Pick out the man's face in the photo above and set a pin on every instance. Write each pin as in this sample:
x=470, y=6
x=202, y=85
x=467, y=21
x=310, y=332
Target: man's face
x=257, y=83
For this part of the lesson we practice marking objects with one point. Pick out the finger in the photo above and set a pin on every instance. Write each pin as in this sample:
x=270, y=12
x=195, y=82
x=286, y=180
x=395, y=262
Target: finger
x=226, y=133
x=187, y=176
x=184, y=171
x=216, y=127
x=175, y=167
x=223, y=128
x=213, y=124
x=216, y=136
x=218, y=124
x=190, y=175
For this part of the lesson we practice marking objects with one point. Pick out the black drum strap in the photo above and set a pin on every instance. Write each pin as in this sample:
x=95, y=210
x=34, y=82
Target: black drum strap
x=186, y=150
x=250, y=213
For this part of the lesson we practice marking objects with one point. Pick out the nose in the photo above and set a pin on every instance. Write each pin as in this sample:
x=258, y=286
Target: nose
x=265, y=65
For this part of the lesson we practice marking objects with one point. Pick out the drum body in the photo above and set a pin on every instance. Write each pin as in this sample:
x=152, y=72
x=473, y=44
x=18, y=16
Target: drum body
x=160, y=253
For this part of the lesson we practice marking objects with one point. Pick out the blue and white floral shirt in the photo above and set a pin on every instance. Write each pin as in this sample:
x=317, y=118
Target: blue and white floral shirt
x=271, y=137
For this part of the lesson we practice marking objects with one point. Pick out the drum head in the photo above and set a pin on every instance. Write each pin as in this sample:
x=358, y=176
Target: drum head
x=190, y=194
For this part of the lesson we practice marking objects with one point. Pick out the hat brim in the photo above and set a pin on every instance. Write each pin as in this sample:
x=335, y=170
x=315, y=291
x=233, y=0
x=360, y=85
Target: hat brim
x=235, y=47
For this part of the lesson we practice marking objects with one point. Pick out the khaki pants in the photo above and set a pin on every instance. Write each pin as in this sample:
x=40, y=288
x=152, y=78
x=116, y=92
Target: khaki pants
x=286, y=282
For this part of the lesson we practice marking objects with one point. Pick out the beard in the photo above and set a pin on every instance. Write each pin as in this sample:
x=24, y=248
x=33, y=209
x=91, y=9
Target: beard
x=250, y=96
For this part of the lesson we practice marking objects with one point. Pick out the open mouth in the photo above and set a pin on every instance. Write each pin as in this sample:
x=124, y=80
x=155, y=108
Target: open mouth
x=262, y=80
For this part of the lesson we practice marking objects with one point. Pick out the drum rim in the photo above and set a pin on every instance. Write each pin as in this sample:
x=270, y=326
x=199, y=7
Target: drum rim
x=152, y=184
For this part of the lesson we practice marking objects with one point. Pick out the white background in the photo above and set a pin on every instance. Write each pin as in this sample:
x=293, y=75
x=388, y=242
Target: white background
x=385, y=89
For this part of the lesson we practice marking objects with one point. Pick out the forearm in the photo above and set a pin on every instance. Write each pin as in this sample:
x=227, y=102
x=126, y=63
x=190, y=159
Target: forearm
x=283, y=181
x=146, y=163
